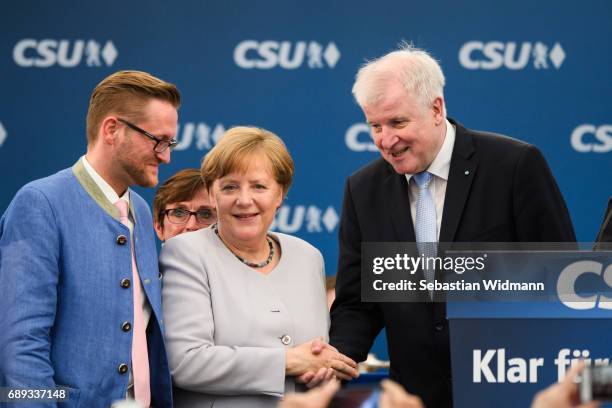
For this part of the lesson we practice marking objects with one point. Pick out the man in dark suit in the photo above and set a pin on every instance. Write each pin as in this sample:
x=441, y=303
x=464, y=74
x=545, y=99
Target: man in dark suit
x=480, y=187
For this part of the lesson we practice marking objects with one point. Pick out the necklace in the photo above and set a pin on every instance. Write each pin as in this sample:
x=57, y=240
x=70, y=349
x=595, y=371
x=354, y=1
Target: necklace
x=244, y=261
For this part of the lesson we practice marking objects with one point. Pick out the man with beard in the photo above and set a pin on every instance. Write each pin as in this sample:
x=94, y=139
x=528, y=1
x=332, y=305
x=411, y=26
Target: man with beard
x=81, y=303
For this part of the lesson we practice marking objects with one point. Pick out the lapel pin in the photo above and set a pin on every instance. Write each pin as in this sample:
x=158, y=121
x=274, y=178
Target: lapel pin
x=467, y=173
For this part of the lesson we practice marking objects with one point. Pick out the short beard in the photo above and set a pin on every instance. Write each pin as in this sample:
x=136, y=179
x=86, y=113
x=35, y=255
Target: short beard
x=135, y=171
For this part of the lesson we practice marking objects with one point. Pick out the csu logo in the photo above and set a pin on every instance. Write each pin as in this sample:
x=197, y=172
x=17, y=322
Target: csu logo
x=314, y=219
x=359, y=139
x=590, y=138
x=566, y=285
x=252, y=54
x=511, y=55
x=65, y=53
x=198, y=134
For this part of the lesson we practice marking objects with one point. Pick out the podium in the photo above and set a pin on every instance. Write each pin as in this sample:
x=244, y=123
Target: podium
x=502, y=354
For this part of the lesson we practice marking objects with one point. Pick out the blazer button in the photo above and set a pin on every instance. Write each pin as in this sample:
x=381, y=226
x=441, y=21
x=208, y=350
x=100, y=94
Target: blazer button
x=125, y=283
x=286, y=339
x=126, y=326
x=439, y=327
x=121, y=239
x=122, y=368
x=160, y=276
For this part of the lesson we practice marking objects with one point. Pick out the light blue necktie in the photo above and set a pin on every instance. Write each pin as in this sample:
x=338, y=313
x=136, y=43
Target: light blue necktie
x=425, y=228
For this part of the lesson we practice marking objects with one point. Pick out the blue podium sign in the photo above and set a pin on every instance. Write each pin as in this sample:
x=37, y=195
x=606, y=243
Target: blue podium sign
x=504, y=352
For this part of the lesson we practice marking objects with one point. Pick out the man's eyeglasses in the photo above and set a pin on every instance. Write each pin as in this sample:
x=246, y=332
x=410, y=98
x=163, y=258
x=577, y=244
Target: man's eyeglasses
x=181, y=216
x=161, y=145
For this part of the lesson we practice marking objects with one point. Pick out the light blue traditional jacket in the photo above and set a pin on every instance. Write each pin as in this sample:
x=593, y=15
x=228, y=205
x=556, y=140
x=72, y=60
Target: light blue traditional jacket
x=66, y=292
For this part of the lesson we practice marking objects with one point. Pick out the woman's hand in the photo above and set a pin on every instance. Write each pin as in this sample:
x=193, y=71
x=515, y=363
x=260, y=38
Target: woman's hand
x=301, y=359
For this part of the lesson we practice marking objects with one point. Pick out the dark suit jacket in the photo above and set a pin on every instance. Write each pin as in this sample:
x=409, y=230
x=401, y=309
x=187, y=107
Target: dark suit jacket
x=605, y=231
x=499, y=190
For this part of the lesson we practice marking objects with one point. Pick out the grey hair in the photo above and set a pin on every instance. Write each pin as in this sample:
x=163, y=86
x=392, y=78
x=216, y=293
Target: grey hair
x=420, y=74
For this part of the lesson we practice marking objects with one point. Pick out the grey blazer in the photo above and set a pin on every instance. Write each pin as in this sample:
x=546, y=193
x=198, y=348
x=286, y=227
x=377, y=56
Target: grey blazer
x=227, y=325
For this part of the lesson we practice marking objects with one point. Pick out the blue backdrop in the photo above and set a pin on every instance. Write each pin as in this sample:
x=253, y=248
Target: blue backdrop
x=538, y=71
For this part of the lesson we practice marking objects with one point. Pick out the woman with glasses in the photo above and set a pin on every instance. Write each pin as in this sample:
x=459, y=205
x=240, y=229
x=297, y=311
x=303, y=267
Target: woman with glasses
x=182, y=204
x=242, y=304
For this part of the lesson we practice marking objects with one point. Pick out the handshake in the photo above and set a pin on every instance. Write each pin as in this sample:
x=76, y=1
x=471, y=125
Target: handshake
x=316, y=361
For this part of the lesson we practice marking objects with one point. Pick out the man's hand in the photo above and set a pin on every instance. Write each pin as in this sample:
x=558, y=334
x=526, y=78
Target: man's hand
x=563, y=394
x=310, y=378
x=394, y=396
x=308, y=361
